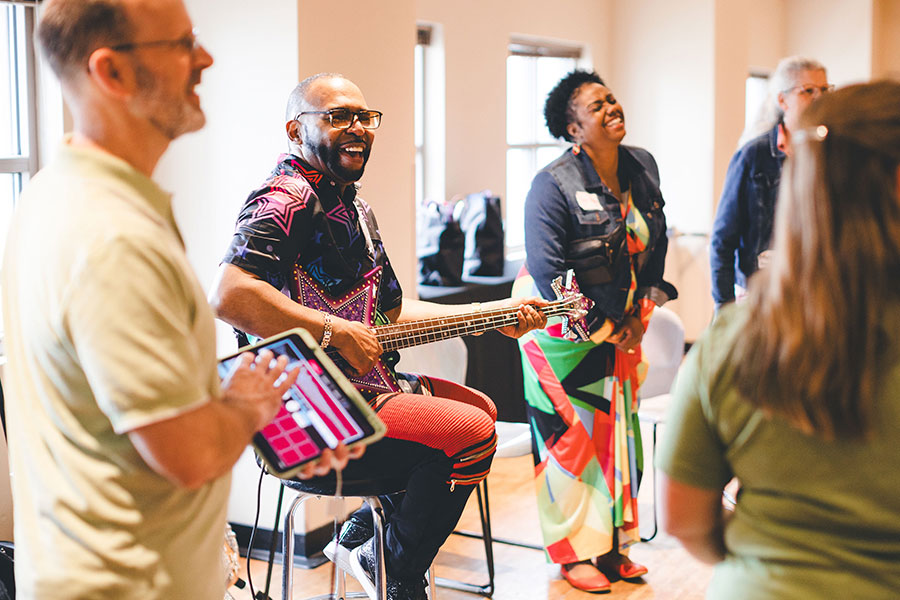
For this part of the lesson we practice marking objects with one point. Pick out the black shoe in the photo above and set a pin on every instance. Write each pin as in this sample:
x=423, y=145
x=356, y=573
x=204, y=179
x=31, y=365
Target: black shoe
x=362, y=561
x=354, y=533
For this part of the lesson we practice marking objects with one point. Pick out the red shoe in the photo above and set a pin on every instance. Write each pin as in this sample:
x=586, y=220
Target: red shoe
x=630, y=570
x=595, y=584
x=625, y=569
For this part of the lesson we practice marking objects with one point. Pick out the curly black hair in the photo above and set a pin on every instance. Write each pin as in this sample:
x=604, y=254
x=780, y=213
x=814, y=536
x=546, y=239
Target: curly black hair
x=558, y=108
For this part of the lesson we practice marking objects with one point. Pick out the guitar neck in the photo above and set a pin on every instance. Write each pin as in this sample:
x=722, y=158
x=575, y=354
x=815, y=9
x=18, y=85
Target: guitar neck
x=425, y=331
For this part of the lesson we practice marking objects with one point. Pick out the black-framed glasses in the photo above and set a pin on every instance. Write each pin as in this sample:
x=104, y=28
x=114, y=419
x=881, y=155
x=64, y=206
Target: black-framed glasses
x=813, y=91
x=188, y=43
x=342, y=118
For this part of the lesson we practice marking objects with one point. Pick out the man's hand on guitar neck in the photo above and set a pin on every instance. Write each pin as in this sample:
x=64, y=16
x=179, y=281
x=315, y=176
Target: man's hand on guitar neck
x=356, y=343
x=529, y=317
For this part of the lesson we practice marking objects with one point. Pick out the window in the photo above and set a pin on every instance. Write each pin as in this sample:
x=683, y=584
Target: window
x=423, y=40
x=759, y=110
x=18, y=127
x=531, y=72
x=430, y=132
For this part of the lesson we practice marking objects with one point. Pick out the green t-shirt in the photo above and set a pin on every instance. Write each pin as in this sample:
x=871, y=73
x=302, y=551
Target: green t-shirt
x=107, y=330
x=814, y=519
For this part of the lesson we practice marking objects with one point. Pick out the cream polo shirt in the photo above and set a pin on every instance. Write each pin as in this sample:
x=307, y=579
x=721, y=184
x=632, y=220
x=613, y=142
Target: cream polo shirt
x=107, y=330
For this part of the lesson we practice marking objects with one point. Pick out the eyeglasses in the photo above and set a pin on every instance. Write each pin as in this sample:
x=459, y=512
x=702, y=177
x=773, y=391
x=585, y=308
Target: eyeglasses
x=342, y=118
x=188, y=43
x=813, y=91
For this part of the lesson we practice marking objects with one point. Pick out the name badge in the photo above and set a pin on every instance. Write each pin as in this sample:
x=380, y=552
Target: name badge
x=588, y=201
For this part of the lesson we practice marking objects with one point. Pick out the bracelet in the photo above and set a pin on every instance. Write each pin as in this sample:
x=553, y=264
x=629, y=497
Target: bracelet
x=326, y=334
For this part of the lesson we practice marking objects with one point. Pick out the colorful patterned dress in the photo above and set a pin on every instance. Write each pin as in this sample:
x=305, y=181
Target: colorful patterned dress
x=582, y=407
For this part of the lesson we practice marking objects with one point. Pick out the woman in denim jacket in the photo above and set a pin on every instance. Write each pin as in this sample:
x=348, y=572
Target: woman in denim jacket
x=597, y=210
x=743, y=224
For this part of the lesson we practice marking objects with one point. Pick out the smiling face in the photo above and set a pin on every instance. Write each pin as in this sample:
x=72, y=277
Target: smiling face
x=807, y=87
x=167, y=74
x=598, y=118
x=339, y=153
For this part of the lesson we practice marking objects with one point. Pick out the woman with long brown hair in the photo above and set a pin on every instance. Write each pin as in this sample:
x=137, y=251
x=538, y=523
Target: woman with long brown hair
x=796, y=392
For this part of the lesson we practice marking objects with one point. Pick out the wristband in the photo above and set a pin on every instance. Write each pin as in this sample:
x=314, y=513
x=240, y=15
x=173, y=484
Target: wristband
x=326, y=334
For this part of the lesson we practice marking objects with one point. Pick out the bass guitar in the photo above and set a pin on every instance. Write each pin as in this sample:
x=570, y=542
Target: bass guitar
x=359, y=304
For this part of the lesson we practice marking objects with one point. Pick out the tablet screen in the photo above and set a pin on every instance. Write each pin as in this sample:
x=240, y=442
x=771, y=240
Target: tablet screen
x=316, y=412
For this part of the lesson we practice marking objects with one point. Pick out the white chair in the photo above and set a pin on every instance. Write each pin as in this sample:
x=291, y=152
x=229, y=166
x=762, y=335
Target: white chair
x=663, y=344
x=446, y=359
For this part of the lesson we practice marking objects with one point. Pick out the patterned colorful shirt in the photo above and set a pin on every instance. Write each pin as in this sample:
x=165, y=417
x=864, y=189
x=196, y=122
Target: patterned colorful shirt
x=299, y=217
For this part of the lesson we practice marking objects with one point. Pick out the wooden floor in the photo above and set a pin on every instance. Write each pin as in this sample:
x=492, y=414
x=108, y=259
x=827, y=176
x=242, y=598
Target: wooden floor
x=523, y=573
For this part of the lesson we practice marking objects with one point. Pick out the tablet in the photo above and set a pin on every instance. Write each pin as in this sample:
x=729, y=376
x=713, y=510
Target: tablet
x=321, y=409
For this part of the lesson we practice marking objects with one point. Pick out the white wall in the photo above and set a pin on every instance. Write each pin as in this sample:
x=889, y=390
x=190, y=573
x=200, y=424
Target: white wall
x=766, y=34
x=731, y=59
x=663, y=72
x=243, y=94
x=838, y=33
x=886, y=39
x=375, y=51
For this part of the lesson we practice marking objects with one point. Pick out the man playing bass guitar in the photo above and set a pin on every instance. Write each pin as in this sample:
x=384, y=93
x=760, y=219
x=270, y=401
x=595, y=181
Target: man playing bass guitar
x=307, y=252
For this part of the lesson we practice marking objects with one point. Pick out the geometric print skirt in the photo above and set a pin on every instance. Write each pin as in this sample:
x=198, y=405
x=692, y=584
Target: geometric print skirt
x=582, y=407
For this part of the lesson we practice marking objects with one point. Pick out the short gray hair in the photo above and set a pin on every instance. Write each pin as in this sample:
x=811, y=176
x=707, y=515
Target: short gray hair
x=788, y=70
x=781, y=80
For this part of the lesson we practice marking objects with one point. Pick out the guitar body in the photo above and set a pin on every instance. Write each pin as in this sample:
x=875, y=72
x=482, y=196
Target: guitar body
x=359, y=304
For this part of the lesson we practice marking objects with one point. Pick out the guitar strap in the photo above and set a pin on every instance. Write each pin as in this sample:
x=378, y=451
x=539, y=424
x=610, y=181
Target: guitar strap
x=406, y=386
x=364, y=226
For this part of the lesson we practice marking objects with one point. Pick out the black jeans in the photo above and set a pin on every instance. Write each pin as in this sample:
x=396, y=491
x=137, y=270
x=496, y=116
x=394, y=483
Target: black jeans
x=419, y=520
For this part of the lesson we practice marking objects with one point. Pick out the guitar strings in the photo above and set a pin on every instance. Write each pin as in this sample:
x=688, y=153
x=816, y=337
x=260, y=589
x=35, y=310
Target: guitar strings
x=399, y=335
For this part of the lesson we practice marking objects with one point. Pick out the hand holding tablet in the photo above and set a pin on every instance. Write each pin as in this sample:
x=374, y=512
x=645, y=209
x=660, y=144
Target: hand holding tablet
x=250, y=379
x=320, y=407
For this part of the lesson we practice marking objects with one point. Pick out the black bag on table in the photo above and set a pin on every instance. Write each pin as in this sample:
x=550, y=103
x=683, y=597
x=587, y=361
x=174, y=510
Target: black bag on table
x=7, y=572
x=442, y=245
x=482, y=224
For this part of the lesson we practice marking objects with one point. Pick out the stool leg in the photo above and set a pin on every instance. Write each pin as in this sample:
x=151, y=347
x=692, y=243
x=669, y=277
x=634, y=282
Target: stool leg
x=287, y=549
x=484, y=508
x=340, y=582
x=653, y=458
x=273, y=543
x=378, y=520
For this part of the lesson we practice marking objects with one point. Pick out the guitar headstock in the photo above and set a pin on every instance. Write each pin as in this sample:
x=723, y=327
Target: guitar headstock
x=569, y=295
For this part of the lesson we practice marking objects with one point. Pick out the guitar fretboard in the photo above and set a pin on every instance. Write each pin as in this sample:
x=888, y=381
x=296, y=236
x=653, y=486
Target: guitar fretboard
x=425, y=331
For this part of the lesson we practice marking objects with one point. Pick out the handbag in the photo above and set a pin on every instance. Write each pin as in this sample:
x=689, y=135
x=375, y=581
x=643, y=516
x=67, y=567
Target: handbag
x=442, y=244
x=482, y=223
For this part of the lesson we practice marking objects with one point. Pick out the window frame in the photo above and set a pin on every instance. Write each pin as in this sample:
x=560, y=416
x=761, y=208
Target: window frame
x=519, y=47
x=423, y=41
x=24, y=164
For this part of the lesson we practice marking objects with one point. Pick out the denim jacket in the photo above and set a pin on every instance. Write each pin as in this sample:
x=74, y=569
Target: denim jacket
x=572, y=220
x=743, y=223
